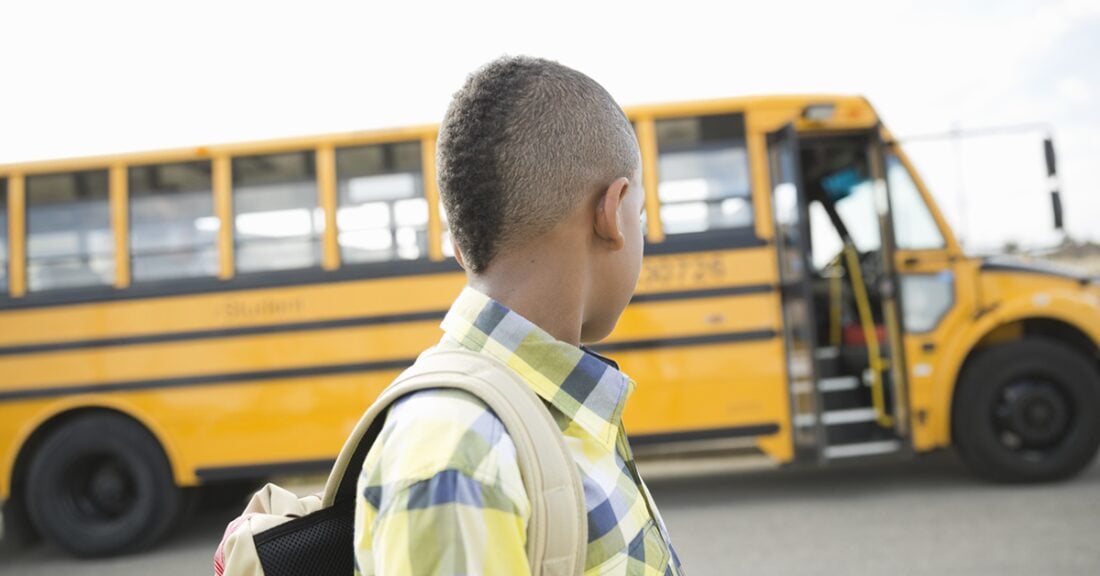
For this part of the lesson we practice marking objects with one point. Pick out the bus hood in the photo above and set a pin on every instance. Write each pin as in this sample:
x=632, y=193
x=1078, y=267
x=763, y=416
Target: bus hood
x=1019, y=265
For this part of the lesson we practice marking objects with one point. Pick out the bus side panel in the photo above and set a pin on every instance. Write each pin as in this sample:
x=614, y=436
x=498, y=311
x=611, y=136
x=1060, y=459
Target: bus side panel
x=702, y=340
x=729, y=387
x=188, y=363
x=280, y=422
x=228, y=310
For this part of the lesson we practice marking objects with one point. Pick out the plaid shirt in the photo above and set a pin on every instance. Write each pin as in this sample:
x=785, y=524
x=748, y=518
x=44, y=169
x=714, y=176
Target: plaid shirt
x=441, y=493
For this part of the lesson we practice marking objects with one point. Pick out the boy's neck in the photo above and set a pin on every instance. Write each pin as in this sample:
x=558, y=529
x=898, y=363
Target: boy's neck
x=540, y=285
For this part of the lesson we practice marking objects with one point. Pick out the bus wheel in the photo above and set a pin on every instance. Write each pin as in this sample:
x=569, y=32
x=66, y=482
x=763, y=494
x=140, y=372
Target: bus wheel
x=1027, y=411
x=101, y=485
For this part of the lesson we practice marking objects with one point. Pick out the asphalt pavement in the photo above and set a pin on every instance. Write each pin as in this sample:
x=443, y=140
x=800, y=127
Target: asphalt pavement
x=925, y=516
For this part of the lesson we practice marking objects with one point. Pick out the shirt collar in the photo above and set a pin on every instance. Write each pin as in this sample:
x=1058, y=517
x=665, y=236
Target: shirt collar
x=586, y=388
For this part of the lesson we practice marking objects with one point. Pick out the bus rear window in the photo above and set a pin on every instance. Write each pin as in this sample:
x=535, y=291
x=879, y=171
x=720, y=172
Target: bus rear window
x=69, y=241
x=277, y=219
x=173, y=230
x=703, y=174
x=382, y=213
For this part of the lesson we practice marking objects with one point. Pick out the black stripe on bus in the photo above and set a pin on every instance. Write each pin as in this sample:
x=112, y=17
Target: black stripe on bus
x=711, y=434
x=208, y=379
x=334, y=369
x=703, y=340
x=328, y=324
x=677, y=244
x=239, y=283
x=224, y=332
x=741, y=238
x=708, y=293
x=257, y=471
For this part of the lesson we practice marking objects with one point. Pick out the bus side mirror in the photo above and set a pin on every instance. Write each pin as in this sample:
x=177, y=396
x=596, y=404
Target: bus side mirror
x=1052, y=161
x=1052, y=178
x=1056, y=203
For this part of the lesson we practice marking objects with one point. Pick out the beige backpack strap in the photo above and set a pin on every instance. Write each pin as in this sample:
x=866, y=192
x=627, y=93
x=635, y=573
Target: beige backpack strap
x=557, y=534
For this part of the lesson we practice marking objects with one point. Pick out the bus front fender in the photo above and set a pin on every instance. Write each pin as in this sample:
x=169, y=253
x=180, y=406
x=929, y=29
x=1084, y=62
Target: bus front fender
x=1078, y=310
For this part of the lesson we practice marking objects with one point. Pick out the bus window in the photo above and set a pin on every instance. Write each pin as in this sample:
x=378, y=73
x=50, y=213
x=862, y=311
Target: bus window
x=277, y=222
x=173, y=230
x=859, y=214
x=825, y=242
x=382, y=213
x=703, y=174
x=914, y=226
x=3, y=235
x=69, y=241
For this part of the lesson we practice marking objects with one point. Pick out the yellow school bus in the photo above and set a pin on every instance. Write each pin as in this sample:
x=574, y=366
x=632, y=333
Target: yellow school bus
x=182, y=318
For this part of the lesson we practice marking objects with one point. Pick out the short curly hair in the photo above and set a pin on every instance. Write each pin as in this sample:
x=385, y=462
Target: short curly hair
x=523, y=143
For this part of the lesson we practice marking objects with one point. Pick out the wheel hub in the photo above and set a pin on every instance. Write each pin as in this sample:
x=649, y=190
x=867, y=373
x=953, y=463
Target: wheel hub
x=1034, y=414
x=103, y=488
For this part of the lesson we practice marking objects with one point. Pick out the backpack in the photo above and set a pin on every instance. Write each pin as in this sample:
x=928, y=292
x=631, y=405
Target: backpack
x=280, y=534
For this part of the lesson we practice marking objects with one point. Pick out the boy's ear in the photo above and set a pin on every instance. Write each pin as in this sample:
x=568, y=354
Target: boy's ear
x=458, y=254
x=609, y=222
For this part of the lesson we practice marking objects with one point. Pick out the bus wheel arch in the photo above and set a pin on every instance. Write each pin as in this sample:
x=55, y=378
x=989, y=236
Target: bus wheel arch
x=992, y=333
x=41, y=446
x=995, y=384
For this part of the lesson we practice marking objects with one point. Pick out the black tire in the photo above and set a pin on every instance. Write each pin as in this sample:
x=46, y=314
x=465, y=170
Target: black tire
x=100, y=486
x=1027, y=411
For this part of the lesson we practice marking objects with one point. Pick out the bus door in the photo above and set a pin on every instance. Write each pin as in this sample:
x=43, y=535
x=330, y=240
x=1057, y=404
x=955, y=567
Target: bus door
x=789, y=212
x=841, y=326
x=895, y=373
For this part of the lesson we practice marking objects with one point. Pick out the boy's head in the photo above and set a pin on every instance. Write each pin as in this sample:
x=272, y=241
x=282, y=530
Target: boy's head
x=526, y=145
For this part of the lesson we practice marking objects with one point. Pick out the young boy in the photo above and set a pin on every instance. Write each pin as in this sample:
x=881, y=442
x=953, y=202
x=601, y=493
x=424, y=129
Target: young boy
x=539, y=172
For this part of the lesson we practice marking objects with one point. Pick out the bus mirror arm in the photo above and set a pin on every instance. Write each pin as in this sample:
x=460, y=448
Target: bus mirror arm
x=1048, y=152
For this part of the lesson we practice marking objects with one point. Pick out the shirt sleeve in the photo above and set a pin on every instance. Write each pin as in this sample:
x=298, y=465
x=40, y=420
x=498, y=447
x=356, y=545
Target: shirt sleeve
x=440, y=493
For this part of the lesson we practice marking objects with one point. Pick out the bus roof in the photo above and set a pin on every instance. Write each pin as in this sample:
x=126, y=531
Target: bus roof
x=848, y=107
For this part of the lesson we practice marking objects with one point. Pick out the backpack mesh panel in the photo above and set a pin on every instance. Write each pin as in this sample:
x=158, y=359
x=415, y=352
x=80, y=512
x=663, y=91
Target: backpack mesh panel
x=318, y=544
x=322, y=542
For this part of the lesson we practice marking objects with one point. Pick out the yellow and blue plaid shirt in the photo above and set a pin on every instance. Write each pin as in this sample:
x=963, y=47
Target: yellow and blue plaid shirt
x=440, y=491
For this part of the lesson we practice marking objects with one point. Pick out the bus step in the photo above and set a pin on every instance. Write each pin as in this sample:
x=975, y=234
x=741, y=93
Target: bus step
x=835, y=417
x=838, y=383
x=846, y=400
x=862, y=449
x=849, y=416
x=856, y=433
x=826, y=385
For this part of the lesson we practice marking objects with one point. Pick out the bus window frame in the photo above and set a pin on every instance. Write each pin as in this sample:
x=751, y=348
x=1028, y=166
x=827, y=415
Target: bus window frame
x=658, y=241
x=951, y=246
x=23, y=238
x=310, y=154
x=429, y=189
x=129, y=215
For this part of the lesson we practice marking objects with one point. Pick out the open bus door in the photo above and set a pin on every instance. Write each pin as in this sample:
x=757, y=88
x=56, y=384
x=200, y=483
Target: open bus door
x=896, y=371
x=842, y=332
x=791, y=218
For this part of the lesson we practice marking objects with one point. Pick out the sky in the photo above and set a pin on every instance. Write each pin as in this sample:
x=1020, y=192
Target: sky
x=89, y=78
